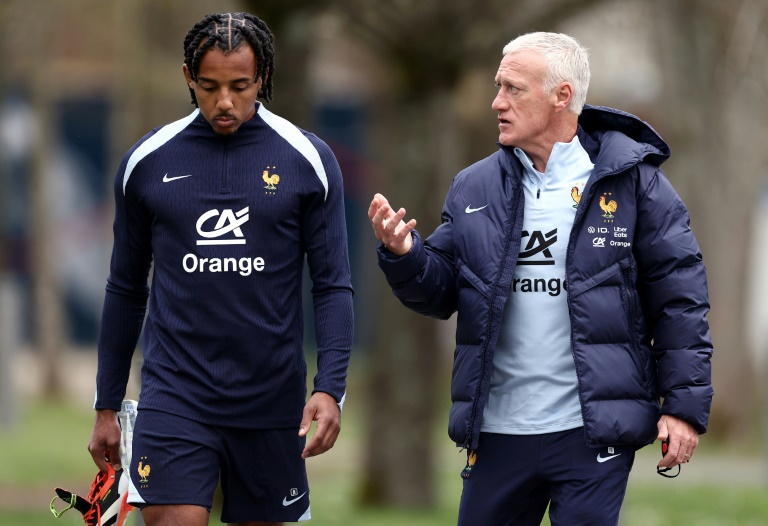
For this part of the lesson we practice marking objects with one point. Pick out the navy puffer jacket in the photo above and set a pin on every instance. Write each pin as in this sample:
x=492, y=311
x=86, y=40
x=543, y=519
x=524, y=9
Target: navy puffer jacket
x=637, y=288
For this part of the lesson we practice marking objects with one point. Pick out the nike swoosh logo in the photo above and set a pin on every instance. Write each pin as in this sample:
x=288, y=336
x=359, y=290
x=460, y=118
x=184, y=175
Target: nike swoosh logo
x=469, y=209
x=287, y=502
x=167, y=179
x=605, y=459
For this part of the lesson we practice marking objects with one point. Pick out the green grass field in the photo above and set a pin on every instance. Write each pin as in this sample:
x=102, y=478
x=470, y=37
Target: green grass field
x=48, y=449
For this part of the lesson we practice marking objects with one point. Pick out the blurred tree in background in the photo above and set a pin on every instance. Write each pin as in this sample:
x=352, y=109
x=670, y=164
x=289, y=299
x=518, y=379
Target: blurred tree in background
x=715, y=104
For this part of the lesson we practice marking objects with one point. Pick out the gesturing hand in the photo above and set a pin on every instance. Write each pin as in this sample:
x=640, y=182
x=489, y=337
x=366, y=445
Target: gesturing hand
x=389, y=227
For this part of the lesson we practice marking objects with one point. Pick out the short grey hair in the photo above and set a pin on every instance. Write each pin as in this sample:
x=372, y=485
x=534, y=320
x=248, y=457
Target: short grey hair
x=566, y=60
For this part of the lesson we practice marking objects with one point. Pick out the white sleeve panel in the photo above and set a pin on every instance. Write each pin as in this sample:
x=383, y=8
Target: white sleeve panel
x=293, y=135
x=163, y=135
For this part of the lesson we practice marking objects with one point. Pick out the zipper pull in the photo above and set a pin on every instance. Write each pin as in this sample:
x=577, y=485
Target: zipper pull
x=538, y=193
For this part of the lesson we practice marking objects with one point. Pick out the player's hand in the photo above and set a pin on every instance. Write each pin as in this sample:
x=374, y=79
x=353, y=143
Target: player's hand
x=105, y=440
x=683, y=440
x=323, y=408
x=389, y=227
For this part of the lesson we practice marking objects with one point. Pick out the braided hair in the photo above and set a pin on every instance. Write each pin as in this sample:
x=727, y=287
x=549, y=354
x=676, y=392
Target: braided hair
x=229, y=32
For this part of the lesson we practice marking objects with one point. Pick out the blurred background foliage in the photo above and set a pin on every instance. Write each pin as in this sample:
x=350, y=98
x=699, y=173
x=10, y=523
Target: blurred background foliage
x=401, y=91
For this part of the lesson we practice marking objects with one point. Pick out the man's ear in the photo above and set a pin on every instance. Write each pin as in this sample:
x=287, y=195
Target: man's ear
x=564, y=94
x=187, y=75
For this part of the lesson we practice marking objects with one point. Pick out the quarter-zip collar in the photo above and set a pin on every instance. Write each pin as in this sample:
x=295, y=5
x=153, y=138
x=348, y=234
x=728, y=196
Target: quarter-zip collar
x=203, y=127
x=564, y=155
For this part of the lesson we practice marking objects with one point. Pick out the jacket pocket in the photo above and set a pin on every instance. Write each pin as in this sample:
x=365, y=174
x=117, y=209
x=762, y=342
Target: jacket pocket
x=609, y=276
x=608, y=302
x=466, y=276
x=629, y=296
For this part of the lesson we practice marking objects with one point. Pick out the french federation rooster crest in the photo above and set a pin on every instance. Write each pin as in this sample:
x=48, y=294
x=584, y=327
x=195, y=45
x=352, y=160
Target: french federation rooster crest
x=143, y=472
x=106, y=503
x=609, y=208
x=576, y=196
x=271, y=180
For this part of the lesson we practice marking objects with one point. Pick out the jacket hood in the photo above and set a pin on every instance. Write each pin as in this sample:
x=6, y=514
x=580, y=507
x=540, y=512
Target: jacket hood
x=644, y=144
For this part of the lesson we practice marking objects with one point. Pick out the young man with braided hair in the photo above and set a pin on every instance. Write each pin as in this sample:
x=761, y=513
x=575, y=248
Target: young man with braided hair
x=226, y=202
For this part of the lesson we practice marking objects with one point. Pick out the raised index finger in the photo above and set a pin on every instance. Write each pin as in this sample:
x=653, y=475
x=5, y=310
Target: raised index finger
x=373, y=208
x=376, y=203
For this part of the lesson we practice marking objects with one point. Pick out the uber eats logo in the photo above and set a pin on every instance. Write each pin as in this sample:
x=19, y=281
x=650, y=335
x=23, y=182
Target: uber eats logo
x=225, y=231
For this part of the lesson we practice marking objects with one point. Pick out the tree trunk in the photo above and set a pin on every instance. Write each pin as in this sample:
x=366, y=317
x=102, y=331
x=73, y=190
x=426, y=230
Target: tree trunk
x=420, y=153
x=47, y=298
x=708, y=104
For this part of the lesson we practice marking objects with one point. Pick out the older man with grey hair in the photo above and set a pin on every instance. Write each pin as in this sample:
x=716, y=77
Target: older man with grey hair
x=581, y=297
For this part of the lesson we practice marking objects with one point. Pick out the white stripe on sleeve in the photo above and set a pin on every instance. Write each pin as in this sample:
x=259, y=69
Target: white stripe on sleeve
x=293, y=135
x=163, y=135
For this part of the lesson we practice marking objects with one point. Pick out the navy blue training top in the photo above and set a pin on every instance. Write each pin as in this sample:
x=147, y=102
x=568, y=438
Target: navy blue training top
x=227, y=221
